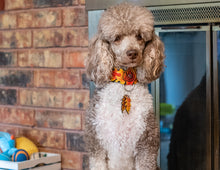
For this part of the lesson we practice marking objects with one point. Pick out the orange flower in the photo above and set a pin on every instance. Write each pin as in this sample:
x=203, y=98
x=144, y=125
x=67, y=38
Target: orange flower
x=127, y=77
x=130, y=77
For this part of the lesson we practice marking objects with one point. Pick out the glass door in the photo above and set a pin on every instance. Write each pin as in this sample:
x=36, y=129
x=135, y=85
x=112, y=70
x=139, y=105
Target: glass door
x=185, y=99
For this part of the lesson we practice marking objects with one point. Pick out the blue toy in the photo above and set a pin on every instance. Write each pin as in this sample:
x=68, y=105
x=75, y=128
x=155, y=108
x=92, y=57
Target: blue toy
x=7, y=146
x=4, y=157
x=20, y=155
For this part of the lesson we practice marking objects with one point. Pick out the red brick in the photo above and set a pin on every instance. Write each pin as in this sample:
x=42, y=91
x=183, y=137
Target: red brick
x=72, y=121
x=72, y=99
x=44, y=78
x=44, y=58
x=48, y=38
x=8, y=59
x=42, y=18
x=84, y=79
x=74, y=141
x=76, y=99
x=43, y=98
x=82, y=2
x=75, y=17
x=68, y=79
x=15, y=39
x=44, y=138
x=57, y=119
x=74, y=58
x=47, y=18
x=53, y=3
x=21, y=78
x=61, y=37
x=23, y=59
x=59, y=79
x=84, y=40
x=83, y=121
x=17, y=4
x=76, y=37
x=17, y=116
x=9, y=129
x=25, y=20
x=7, y=20
x=8, y=97
x=70, y=159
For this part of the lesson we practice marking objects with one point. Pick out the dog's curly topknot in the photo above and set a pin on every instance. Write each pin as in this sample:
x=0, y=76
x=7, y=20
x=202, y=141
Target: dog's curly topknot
x=124, y=19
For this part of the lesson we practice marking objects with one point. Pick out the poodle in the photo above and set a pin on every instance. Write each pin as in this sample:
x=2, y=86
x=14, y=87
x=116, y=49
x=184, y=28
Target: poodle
x=121, y=132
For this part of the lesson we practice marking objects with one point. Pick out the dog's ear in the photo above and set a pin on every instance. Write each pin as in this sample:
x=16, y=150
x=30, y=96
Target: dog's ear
x=153, y=61
x=99, y=63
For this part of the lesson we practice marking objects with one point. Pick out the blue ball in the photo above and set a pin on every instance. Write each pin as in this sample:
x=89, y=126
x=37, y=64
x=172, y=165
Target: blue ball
x=20, y=155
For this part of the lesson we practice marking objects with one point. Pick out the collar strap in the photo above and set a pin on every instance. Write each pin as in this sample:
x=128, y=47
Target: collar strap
x=127, y=77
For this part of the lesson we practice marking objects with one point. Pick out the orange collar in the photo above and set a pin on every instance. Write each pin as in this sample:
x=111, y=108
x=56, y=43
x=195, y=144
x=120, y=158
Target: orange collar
x=127, y=77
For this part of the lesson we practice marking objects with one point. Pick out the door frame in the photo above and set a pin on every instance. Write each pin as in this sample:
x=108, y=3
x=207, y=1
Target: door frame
x=215, y=115
x=211, y=157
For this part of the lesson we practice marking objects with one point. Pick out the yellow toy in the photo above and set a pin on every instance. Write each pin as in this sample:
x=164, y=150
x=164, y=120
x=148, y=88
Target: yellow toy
x=26, y=144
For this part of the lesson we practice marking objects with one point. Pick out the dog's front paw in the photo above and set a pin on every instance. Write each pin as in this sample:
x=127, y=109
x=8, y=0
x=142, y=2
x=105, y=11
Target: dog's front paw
x=96, y=163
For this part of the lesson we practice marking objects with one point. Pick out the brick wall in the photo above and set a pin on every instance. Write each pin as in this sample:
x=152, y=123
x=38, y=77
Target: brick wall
x=43, y=88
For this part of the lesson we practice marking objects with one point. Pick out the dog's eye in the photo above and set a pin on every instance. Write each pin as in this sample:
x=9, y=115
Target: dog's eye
x=139, y=37
x=117, y=38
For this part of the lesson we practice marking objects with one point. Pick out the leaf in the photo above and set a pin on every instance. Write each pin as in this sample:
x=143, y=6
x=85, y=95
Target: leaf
x=126, y=104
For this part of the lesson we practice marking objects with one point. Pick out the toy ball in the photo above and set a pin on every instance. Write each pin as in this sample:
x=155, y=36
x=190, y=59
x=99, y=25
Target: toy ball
x=26, y=144
x=20, y=155
x=4, y=157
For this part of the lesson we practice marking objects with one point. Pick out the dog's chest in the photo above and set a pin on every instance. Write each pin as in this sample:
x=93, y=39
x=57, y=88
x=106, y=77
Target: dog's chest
x=117, y=131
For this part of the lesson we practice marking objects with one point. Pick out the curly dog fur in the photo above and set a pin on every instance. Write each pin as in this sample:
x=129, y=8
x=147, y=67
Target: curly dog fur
x=118, y=141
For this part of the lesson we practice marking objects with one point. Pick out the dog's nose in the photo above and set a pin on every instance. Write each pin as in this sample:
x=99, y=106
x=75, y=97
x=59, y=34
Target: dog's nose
x=132, y=54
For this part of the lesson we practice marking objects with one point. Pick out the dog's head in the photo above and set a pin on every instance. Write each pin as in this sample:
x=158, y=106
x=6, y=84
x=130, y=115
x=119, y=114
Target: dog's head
x=125, y=39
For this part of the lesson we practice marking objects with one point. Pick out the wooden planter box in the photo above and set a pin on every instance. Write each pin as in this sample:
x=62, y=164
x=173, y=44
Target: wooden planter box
x=50, y=162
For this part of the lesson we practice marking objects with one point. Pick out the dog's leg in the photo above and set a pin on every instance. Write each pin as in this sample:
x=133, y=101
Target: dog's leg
x=98, y=162
x=148, y=145
x=120, y=162
x=145, y=160
x=97, y=154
